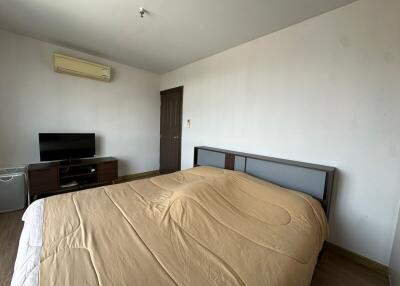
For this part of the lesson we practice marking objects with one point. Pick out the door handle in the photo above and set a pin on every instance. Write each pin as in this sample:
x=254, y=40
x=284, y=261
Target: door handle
x=176, y=137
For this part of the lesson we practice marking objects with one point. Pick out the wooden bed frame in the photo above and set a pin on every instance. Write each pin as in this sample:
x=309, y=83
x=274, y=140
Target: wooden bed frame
x=315, y=180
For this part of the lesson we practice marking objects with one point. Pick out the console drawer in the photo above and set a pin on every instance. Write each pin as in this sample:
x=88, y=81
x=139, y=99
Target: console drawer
x=42, y=181
x=107, y=171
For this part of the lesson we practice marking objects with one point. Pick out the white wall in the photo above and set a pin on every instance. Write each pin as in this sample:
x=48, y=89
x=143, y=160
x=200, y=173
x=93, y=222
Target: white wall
x=395, y=258
x=33, y=98
x=324, y=91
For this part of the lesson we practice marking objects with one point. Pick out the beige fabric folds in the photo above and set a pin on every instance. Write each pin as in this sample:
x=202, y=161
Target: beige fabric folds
x=203, y=226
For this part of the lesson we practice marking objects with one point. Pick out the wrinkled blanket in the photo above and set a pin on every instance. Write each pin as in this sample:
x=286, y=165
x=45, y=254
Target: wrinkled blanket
x=203, y=226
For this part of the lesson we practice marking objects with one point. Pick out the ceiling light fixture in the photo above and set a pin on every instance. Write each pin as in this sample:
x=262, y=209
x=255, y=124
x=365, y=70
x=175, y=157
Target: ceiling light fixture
x=142, y=11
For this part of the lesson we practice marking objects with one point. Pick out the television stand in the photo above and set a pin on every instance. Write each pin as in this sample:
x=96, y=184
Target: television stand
x=51, y=178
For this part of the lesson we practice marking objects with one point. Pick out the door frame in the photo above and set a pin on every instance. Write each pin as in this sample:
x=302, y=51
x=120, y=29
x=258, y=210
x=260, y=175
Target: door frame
x=165, y=92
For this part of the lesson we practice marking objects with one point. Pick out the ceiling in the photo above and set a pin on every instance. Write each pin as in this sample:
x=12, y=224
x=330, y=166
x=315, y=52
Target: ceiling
x=172, y=34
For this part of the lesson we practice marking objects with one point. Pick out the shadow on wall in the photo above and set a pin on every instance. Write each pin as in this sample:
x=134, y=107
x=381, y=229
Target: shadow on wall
x=334, y=219
x=99, y=144
x=339, y=223
x=337, y=187
x=122, y=167
x=394, y=266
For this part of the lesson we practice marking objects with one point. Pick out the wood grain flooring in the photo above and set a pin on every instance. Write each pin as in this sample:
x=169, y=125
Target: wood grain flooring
x=333, y=269
x=10, y=230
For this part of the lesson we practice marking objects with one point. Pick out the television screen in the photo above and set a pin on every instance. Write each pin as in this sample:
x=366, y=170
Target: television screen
x=66, y=146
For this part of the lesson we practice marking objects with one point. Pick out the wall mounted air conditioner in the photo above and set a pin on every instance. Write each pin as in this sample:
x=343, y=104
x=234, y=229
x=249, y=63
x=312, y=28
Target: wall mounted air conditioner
x=78, y=67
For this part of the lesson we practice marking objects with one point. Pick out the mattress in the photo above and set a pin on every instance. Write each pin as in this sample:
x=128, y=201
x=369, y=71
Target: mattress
x=203, y=226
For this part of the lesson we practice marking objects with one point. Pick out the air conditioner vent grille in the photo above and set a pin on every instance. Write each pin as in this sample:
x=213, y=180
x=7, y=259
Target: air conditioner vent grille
x=78, y=67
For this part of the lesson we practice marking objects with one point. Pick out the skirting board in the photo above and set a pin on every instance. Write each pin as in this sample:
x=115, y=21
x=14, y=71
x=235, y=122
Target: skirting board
x=137, y=176
x=372, y=265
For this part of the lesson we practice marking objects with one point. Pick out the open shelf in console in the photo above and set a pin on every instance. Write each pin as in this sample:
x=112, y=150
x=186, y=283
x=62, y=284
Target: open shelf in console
x=77, y=175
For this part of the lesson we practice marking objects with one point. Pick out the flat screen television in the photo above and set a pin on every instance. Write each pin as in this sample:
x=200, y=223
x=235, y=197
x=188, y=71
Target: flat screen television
x=66, y=146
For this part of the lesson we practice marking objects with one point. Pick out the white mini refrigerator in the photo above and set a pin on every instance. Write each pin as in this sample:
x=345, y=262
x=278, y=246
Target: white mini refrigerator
x=12, y=189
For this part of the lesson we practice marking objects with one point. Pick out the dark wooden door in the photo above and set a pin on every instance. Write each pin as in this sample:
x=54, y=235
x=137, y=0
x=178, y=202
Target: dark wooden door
x=171, y=130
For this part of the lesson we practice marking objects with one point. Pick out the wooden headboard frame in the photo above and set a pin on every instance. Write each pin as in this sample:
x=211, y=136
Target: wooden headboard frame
x=295, y=175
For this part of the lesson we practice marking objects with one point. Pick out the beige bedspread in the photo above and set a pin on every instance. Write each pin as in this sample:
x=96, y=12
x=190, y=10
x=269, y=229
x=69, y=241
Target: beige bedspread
x=203, y=226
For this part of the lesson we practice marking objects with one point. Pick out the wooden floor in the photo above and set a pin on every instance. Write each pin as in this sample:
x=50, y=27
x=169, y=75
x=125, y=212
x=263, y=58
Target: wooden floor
x=333, y=269
x=10, y=230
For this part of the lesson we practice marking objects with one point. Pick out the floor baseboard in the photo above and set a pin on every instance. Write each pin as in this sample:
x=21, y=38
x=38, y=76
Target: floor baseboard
x=372, y=265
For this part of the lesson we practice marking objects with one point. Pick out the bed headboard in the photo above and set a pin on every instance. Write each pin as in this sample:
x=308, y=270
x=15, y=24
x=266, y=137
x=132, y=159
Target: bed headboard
x=315, y=180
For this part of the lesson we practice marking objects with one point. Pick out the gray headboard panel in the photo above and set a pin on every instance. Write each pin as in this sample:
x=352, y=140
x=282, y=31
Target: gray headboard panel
x=315, y=180
x=209, y=158
x=300, y=179
x=240, y=163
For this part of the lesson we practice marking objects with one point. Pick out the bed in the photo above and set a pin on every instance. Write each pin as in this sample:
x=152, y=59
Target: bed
x=234, y=219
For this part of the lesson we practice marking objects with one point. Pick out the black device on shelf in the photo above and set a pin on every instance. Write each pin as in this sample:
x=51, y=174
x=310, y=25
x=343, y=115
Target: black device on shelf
x=66, y=146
